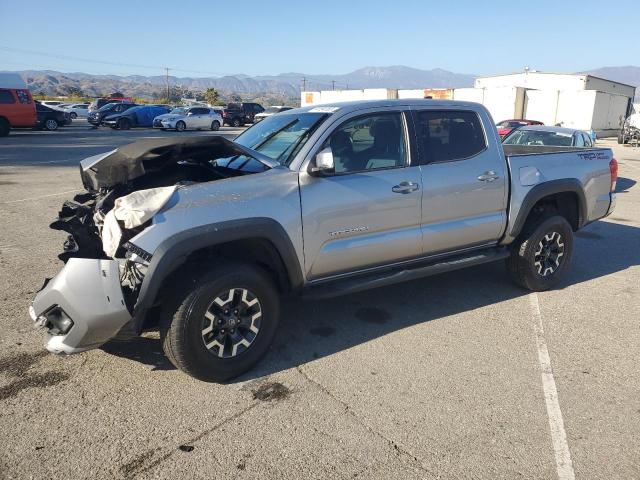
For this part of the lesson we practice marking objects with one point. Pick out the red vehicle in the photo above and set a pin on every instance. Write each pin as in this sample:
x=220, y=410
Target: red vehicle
x=17, y=108
x=506, y=126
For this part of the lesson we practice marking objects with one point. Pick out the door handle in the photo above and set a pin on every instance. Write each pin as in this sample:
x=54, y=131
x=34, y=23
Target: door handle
x=488, y=176
x=405, y=187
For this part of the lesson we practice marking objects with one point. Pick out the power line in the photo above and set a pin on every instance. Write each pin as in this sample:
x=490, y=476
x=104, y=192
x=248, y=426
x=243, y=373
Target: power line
x=103, y=62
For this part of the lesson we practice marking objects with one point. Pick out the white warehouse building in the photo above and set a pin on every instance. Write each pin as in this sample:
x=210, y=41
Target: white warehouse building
x=574, y=100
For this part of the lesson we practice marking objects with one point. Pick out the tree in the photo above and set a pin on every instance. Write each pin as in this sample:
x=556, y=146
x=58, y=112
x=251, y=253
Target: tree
x=116, y=95
x=211, y=96
x=235, y=97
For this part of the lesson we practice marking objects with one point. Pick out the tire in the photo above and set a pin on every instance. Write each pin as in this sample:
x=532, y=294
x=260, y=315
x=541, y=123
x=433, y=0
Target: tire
x=123, y=124
x=73, y=115
x=51, y=124
x=5, y=128
x=541, y=255
x=236, y=122
x=215, y=125
x=620, y=138
x=181, y=126
x=184, y=321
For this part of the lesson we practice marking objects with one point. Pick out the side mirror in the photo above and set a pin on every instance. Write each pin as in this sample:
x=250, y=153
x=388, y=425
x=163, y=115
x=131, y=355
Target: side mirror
x=323, y=162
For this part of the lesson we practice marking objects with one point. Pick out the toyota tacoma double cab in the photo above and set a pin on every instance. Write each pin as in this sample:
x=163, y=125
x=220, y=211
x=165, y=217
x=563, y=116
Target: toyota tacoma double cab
x=200, y=237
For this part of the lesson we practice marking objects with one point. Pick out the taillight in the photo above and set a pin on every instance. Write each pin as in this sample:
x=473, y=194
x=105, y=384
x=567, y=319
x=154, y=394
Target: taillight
x=613, y=168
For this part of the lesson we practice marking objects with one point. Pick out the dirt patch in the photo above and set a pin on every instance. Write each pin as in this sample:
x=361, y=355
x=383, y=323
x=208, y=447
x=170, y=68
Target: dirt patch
x=128, y=469
x=42, y=380
x=6, y=182
x=322, y=331
x=373, y=315
x=17, y=365
x=271, y=391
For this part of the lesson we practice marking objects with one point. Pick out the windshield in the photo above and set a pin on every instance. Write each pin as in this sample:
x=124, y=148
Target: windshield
x=537, y=137
x=511, y=124
x=107, y=107
x=280, y=136
x=179, y=111
x=272, y=110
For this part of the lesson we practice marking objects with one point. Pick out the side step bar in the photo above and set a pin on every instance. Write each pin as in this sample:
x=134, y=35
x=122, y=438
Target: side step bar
x=357, y=283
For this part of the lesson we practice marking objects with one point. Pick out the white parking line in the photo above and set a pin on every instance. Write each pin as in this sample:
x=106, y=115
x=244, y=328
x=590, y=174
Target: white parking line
x=564, y=466
x=41, y=196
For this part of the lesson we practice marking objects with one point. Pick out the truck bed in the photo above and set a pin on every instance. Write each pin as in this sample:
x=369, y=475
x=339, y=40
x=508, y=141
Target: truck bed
x=544, y=166
x=513, y=150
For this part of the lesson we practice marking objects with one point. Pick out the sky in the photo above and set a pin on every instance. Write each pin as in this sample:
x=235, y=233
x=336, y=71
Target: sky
x=209, y=38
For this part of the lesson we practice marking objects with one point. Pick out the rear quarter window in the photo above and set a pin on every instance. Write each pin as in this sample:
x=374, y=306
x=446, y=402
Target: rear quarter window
x=6, y=97
x=445, y=136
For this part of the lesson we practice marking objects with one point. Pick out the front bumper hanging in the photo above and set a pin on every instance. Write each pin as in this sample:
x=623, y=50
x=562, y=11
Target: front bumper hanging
x=82, y=307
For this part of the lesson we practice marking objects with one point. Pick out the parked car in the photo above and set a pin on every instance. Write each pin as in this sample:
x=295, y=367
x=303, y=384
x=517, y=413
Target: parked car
x=98, y=103
x=76, y=110
x=50, y=118
x=238, y=114
x=175, y=111
x=140, y=116
x=194, y=118
x=270, y=111
x=630, y=129
x=17, y=108
x=314, y=201
x=550, y=136
x=96, y=118
x=52, y=103
x=506, y=126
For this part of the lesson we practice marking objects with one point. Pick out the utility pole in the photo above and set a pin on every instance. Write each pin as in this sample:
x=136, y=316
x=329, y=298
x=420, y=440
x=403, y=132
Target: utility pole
x=304, y=84
x=333, y=84
x=166, y=69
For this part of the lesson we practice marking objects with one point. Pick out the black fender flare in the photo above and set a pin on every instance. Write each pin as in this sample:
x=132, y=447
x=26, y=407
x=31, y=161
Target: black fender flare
x=173, y=252
x=567, y=185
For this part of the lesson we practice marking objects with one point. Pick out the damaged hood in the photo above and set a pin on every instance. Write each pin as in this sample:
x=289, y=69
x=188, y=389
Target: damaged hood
x=131, y=161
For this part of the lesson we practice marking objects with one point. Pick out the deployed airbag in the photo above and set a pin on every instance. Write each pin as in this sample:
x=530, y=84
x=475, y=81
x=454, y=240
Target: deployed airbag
x=132, y=210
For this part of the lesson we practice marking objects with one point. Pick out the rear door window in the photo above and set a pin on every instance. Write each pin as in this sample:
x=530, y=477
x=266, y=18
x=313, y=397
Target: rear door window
x=445, y=136
x=23, y=96
x=6, y=97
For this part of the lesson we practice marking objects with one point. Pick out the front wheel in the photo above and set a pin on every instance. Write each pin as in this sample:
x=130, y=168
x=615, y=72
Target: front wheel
x=541, y=255
x=51, y=124
x=181, y=126
x=73, y=115
x=222, y=322
x=215, y=125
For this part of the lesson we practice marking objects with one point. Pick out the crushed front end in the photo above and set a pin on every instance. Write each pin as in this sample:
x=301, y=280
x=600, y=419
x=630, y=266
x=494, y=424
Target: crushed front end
x=91, y=300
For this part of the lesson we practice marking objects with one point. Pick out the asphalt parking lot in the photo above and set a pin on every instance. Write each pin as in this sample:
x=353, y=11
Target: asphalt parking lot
x=444, y=377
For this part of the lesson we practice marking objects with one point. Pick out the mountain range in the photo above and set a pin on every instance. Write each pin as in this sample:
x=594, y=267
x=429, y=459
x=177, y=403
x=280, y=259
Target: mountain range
x=287, y=85
x=284, y=86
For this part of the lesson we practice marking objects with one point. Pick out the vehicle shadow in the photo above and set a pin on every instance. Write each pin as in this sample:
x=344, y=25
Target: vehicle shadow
x=314, y=329
x=624, y=184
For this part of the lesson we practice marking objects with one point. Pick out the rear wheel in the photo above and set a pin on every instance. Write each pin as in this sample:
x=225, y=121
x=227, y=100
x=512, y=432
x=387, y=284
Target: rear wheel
x=215, y=125
x=181, y=126
x=5, y=128
x=541, y=255
x=73, y=115
x=236, y=122
x=222, y=322
x=51, y=124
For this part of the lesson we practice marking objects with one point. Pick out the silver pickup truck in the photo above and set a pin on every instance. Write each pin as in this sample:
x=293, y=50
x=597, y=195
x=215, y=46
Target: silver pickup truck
x=200, y=237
